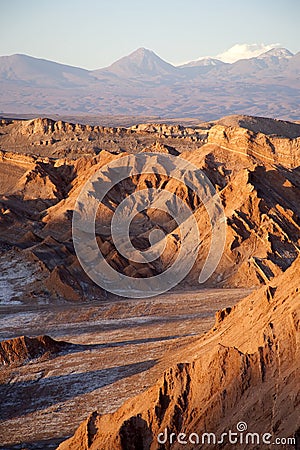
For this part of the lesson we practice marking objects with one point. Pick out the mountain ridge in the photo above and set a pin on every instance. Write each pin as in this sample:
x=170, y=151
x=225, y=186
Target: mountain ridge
x=145, y=52
x=24, y=67
x=140, y=62
x=265, y=86
x=206, y=61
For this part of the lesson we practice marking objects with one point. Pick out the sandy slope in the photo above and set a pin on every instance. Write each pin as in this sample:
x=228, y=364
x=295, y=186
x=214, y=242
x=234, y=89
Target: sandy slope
x=245, y=369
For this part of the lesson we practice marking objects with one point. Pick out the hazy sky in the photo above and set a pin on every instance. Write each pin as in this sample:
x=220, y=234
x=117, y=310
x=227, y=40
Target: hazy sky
x=93, y=34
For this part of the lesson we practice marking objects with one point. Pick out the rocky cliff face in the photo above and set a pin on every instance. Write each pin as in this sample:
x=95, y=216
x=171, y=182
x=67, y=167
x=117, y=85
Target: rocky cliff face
x=271, y=149
x=244, y=370
x=22, y=349
x=264, y=125
x=59, y=139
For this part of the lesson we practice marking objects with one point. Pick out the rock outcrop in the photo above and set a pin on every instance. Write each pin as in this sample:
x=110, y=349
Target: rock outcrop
x=273, y=149
x=23, y=349
x=45, y=137
x=263, y=125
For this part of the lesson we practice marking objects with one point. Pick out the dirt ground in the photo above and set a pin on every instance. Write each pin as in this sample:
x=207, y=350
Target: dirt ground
x=120, y=348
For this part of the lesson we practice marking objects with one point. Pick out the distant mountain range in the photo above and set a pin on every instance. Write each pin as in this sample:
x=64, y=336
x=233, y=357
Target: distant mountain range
x=144, y=84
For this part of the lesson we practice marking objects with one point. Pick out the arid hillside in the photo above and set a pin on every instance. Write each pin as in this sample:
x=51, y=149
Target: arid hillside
x=245, y=370
x=44, y=165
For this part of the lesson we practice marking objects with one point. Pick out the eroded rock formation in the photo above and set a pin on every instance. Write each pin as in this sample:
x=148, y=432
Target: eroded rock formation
x=255, y=174
x=23, y=349
x=245, y=369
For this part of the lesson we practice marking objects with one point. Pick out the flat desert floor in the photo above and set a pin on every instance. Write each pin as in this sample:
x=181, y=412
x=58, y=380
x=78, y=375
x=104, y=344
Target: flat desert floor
x=120, y=348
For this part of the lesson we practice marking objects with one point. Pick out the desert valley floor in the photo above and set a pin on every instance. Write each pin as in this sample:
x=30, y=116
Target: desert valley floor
x=120, y=348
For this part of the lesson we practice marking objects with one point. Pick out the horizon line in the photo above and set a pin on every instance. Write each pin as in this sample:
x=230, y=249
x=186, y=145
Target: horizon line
x=134, y=51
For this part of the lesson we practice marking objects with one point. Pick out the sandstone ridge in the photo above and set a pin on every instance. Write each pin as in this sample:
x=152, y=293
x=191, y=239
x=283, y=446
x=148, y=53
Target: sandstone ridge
x=256, y=176
x=253, y=364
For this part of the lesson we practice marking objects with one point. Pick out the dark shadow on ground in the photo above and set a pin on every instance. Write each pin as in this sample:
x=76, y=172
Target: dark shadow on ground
x=74, y=348
x=47, y=444
x=76, y=329
x=21, y=398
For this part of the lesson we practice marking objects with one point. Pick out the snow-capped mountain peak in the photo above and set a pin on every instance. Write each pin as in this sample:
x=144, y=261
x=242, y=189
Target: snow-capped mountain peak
x=281, y=53
x=202, y=62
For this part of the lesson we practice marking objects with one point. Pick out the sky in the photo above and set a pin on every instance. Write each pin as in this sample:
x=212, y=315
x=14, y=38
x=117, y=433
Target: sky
x=93, y=34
